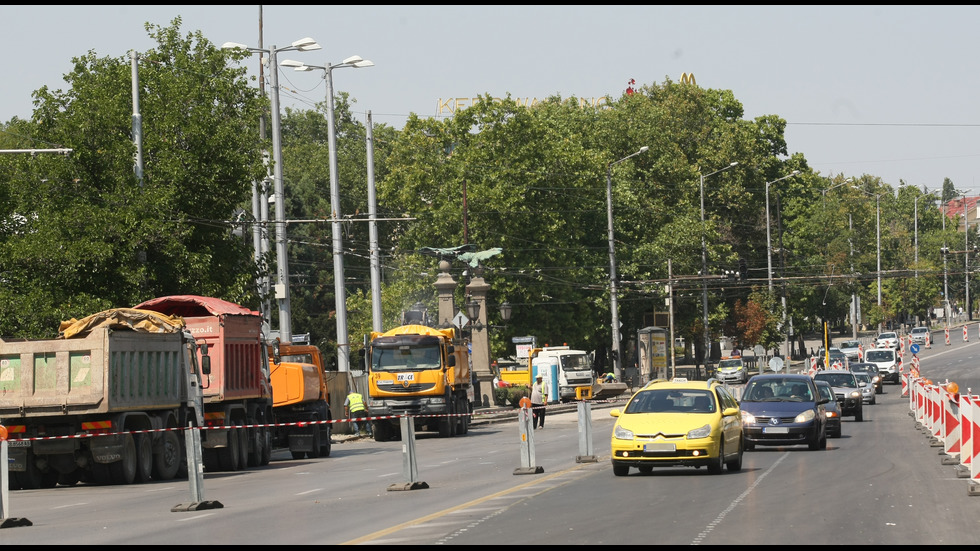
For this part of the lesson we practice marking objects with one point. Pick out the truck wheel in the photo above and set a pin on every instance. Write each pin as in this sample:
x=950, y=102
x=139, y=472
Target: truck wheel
x=144, y=458
x=167, y=462
x=242, y=447
x=266, y=435
x=325, y=440
x=124, y=470
x=315, y=445
x=228, y=455
x=381, y=430
x=255, y=452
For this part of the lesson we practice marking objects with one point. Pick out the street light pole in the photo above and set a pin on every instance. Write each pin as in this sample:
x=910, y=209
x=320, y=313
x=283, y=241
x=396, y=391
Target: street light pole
x=768, y=237
x=704, y=267
x=613, y=305
x=877, y=241
x=340, y=292
x=282, y=253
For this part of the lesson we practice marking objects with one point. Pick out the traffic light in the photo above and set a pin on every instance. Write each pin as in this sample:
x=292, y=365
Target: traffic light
x=743, y=269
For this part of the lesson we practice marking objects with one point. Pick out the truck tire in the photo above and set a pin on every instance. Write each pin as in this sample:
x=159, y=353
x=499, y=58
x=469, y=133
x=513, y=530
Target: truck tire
x=325, y=440
x=124, y=470
x=242, y=447
x=228, y=456
x=266, y=435
x=167, y=461
x=144, y=458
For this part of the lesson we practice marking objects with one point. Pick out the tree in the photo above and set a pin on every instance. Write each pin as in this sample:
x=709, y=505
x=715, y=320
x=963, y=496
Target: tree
x=82, y=234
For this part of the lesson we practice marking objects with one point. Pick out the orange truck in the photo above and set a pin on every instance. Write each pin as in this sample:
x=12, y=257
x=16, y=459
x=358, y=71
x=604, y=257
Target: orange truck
x=300, y=399
x=422, y=372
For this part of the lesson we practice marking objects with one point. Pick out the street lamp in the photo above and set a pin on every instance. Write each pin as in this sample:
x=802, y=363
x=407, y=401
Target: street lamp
x=704, y=267
x=340, y=292
x=282, y=260
x=768, y=238
x=877, y=197
x=613, y=306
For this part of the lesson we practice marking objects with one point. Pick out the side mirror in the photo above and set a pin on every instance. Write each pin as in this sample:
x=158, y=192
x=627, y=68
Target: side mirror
x=206, y=365
x=276, y=355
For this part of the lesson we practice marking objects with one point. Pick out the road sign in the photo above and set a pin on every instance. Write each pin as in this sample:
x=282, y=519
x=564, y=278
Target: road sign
x=914, y=349
x=522, y=340
x=460, y=320
x=759, y=350
x=776, y=363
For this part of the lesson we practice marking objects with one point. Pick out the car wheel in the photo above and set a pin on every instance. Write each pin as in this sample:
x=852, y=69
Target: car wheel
x=823, y=441
x=735, y=465
x=859, y=416
x=645, y=469
x=749, y=446
x=620, y=470
x=716, y=464
x=874, y=400
x=837, y=432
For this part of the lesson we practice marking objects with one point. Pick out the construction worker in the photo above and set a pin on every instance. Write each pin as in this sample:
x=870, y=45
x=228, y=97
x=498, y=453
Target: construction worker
x=539, y=397
x=354, y=406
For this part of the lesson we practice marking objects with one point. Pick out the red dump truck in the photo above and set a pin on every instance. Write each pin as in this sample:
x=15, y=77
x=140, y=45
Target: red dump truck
x=104, y=402
x=237, y=393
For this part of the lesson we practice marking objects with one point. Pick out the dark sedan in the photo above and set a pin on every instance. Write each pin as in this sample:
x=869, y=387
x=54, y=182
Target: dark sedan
x=783, y=410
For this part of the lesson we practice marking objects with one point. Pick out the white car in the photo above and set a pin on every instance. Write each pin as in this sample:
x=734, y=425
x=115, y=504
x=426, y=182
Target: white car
x=887, y=340
x=887, y=361
x=919, y=335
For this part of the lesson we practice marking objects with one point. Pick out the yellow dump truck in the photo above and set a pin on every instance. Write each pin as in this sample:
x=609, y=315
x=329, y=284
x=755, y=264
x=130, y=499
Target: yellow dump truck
x=421, y=372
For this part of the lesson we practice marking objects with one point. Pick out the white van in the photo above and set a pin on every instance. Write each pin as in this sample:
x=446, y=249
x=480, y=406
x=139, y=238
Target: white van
x=887, y=361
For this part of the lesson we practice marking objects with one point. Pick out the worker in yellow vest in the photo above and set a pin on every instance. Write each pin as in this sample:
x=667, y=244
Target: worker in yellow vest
x=355, y=407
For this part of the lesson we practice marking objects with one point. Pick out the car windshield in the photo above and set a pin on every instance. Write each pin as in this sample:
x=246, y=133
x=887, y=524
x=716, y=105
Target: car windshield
x=826, y=392
x=880, y=356
x=575, y=362
x=841, y=379
x=729, y=363
x=918, y=330
x=888, y=336
x=862, y=376
x=668, y=400
x=778, y=390
x=849, y=344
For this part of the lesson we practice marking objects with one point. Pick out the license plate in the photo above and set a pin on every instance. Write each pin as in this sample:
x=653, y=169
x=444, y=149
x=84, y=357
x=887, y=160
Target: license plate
x=775, y=430
x=659, y=447
x=19, y=443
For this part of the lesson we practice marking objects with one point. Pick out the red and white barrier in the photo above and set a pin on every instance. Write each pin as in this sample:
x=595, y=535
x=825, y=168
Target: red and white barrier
x=973, y=450
x=968, y=429
x=928, y=340
x=813, y=366
x=947, y=335
x=951, y=424
x=966, y=337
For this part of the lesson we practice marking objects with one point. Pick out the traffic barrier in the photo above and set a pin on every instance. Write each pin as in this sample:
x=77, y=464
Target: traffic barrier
x=951, y=426
x=813, y=366
x=947, y=335
x=968, y=424
x=526, y=428
x=974, y=449
x=966, y=338
x=585, y=448
x=905, y=383
x=928, y=340
x=6, y=521
x=836, y=365
x=409, y=463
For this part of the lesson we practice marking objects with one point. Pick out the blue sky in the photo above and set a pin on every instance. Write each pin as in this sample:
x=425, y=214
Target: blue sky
x=889, y=91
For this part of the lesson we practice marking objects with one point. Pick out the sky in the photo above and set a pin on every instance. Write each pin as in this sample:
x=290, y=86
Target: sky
x=887, y=91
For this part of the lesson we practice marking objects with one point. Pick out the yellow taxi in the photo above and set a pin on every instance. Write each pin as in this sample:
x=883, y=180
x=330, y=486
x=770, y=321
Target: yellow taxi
x=678, y=422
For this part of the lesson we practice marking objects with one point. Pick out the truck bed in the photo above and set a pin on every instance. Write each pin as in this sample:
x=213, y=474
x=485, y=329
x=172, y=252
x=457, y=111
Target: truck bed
x=109, y=370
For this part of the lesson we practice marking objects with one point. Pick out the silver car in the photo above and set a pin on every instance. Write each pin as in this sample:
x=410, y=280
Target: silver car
x=732, y=370
x=919, y=335
x=851, y=349
x=867, y=387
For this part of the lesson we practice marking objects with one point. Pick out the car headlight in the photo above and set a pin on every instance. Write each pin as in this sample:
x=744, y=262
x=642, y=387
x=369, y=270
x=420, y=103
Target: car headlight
x=876, y=379
x=700, y=432
x=748, y=418
x=855, y=394
x=804, y=417
x=831, y=414
x=621, y=433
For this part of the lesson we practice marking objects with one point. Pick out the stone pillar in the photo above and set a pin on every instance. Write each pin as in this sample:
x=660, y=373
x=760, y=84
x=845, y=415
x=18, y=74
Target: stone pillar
x=445, y=286
x=480, y=339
